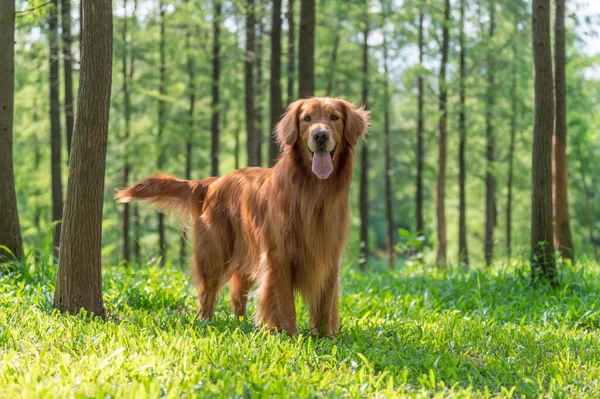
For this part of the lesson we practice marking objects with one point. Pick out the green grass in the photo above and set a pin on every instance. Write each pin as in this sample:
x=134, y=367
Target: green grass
x=415, y=332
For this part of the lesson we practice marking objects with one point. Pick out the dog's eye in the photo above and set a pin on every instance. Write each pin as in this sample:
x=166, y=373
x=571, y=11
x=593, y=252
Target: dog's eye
x=306, y=118
x=334, y=117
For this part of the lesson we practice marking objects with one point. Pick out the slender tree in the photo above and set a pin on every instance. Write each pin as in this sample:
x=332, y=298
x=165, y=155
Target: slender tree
x=420, y=124
x=306, y=49
x=162, y=240
x=337, y=36
x=127, y=132
x=276, y=108
x=216, y=72
x=252, y=143
x=543, y=265
x=364, y=156
x=441, y=173
x=514, y=94
x=191, y=92
x=10, y=231
x=389, y=214
x=68, y=68
x=588, y=208
x=291, y=76
x=463, y=251
x=57, y=198
x=562, y=226
x=137, y=229
x=79, y=278
x=259, y=89
x=490, y=180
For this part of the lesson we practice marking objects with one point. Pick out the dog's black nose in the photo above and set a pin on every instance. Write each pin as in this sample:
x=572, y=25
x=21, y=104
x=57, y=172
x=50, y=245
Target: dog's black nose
x=321, y=136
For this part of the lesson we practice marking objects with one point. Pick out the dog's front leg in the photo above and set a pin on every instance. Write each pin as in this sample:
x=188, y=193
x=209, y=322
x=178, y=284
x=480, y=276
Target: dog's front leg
x=323, y=308
x=276, y=299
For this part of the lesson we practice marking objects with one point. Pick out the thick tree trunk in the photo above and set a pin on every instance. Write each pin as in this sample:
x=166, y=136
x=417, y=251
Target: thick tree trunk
x=162, y=240
x=291, y=76
x=490, y=180
x=68, y=68
x=562, y=226
x=259, y=89
x=57, y=198
x=441, y=173
x=79, y=278
x=276, y=108
x=252, y=147
x=513, y=134
x=419, y=183
x=306, y=49
x=191, y=69
x=543, y=265
x=364, y=158
x=10, y=231
x=389, y=214
x=216, y=71
x=127, y=118
x=463, y=251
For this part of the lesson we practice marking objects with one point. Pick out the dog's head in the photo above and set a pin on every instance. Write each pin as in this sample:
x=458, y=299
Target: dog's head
x=322, y=127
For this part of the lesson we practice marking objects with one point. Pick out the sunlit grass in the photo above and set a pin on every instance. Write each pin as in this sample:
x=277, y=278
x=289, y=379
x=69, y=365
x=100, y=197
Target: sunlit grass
x=414, y=332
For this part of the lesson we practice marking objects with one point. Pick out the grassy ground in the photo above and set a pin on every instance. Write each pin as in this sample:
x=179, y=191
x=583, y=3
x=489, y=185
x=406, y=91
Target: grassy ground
x=414, y=332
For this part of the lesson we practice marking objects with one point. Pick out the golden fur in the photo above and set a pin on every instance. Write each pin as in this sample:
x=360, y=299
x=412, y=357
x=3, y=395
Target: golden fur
x=282, y=228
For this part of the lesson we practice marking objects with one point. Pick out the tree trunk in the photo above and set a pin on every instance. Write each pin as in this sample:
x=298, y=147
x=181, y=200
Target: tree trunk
x=276, y=108
x=441, y=173
x=513, y=133
x=258, y=89
x=137, y=250
x=463, y=251
x=419, y=182
x=562, y=226
x=291, y=52
x=490, y=180
x=68, y=68
x=542, y=251
x=306, y=49
x=162, y=241
x=364, y=158
x=389, y=214
x=191, y=69
x=127, y=118
x=57, y=199
x=336, y=47
x=216, y=71
x=10, y=231
x=79, y=278
x=588, y=208
x=252, y=147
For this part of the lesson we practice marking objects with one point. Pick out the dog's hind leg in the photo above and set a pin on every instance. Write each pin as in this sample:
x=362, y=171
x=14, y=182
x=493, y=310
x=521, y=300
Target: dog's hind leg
x=208, y=269
x=239, y=285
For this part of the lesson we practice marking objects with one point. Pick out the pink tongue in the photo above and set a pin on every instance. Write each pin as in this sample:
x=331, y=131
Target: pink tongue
x=321, y=165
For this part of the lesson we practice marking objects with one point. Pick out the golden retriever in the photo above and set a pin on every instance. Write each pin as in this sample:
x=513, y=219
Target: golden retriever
x=282, y=228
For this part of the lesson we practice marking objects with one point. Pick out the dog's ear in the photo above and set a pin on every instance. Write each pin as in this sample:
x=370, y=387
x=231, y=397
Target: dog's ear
x=286, y=132
x=356, y=122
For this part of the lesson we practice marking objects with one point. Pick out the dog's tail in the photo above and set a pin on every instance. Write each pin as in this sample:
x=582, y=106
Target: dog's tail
x=180, y=198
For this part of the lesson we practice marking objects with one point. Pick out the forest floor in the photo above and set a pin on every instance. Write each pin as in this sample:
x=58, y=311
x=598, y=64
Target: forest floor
x=414, y=332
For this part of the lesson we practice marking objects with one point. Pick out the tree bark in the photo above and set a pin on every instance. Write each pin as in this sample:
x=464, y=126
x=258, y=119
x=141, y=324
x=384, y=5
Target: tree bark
x=389, y=214
x=513, y=134
x=490, y=180
x=216, y=71
x=137, y=249
x=463, y=251
x=55, y=140
x=588, y=208
x=68, y=69
x=364, y=158
x=276, y=108
x=291, y=76
x=127, y=118
x=259, y=89
x=543, y=265
x=306, y=49
x=441, y=173
x=162, y=241
x=252, y=143
x=562, y=227
x=79, y=278
x=419, y=183
x=10, y=230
